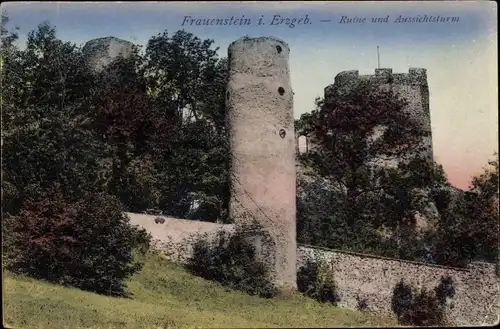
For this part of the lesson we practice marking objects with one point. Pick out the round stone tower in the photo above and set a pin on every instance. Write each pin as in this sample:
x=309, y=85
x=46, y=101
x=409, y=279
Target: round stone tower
x=259, y=102
x=101, y=52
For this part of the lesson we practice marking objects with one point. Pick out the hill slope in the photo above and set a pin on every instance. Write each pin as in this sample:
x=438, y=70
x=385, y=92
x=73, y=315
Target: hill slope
x=165, y=295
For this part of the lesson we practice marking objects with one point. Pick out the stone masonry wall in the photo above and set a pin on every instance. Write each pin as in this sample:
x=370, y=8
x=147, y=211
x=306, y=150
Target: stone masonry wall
x=367, y=276
x=175, y=236
x=373, y=278
x=259, y=101
x=103, y=51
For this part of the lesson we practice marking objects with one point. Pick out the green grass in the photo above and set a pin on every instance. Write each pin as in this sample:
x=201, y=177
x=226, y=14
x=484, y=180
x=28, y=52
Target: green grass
x=165, y=295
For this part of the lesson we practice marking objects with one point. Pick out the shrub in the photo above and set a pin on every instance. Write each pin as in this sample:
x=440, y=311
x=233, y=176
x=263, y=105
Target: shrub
x=445, y=289
x=362, y=303
x=230, y=260
x=315, y=280
x=422, y=307
x=86, y=244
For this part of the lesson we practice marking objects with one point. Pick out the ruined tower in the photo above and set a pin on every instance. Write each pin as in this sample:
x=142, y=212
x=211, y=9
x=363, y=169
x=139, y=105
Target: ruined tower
x=259, y=103
x=101, y=52
x=411, y=86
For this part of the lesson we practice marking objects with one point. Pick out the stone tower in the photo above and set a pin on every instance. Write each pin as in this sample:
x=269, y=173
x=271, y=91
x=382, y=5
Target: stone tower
x=411, y=86
x=101, y=52
x=259, y=103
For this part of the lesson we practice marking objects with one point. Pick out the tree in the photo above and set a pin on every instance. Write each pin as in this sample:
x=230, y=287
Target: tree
x=125, y=125
x=60, y=224
x=468, y=227
x=188, y=81
x=483, y=208
x=46, y=135
x=178, y=70
x=8, y=37
x=370, y=148
x=129, y=120
x=8, y=74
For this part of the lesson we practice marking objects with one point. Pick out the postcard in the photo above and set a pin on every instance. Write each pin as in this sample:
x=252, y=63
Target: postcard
x=249, y=164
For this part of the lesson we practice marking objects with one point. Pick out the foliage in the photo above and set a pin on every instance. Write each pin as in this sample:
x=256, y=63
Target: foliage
x=468, y=228
x=483, y=209
x=348, y=141
x=127, y=124
x=187, y=81
x=54, y=151
x=354, y=132
x=8, y=37
x=128, y=119
x=86, y=244
x=195, y=166
x=445, y=289
x=315, y=280
x=46, y=138
x=422, y=307
x=371, y=181
x=231, y=260
x=181, y=71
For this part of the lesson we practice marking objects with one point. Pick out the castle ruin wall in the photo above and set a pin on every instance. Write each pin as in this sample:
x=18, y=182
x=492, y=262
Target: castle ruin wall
x=356, y=276
x=411, y=86
x=372, y=279
x=103, y=51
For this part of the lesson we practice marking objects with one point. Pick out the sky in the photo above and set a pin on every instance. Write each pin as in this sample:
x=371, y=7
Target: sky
x=460, y=56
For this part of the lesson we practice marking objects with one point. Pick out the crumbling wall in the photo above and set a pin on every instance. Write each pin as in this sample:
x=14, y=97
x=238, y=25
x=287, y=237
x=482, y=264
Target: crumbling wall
x=103, y=51
x=259, y=102
x=373, y=279
x=411, y=86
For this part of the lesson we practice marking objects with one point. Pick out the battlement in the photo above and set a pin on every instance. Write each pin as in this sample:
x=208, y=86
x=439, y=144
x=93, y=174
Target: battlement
x=415, y=76
x=411, y=86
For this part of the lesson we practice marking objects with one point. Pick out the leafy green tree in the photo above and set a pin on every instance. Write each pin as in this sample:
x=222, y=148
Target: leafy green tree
x=468, y=226
x=129, y=120
x=60, y=224
x=9, y=79
x=188, y=81
x=483, y=207
x=195, y=167
x=160, y=159
x=8, y=37
x=369, y=196
x=46, y=137
x=57, y=150
x=231, y=260
x=179, y=71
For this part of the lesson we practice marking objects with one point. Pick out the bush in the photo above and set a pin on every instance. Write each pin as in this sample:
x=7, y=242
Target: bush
x=87, y=244
x=362, y=303
x=231, y=260
x=445, y=289
x=422, y=307
x=315, y=280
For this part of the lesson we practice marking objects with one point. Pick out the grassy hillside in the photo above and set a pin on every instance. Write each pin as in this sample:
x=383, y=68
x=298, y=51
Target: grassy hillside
x=165, y=295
